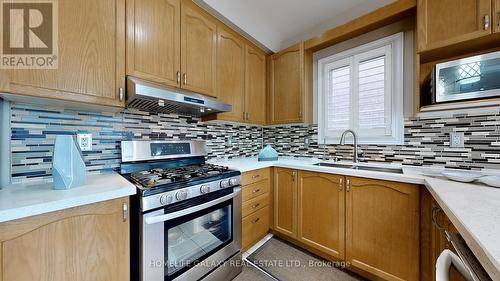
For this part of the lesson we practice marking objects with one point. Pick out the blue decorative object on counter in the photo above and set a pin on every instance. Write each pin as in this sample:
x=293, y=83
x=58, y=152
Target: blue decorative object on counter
x=268, y=154
x=68, y=168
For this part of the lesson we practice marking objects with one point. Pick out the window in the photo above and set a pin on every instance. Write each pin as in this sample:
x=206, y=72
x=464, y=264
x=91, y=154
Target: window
x=362, y=89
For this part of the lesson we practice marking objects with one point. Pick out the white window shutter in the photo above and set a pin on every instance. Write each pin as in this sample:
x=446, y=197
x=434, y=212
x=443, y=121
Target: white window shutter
x=360, y=89
x=371, y=94
x=338, y=99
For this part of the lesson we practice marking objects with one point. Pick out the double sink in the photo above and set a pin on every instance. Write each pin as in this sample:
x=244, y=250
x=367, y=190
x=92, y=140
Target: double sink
x=361, y=168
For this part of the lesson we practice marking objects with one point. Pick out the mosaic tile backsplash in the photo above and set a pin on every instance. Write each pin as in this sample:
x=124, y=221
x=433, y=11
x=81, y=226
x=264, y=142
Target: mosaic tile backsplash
x=34, y=130
x=426, y=139
x=426, y=143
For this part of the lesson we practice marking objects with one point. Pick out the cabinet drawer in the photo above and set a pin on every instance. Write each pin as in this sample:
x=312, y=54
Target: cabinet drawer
x=254, y=204
x=254, y=227
x=255, y=176
x=254, y=190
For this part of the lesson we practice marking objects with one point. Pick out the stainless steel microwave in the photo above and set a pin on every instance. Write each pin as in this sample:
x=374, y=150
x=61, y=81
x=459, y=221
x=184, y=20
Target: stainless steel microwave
x=468, y=78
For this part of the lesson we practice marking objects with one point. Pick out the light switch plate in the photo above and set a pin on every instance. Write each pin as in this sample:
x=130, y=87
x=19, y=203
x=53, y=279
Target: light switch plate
x=457, y=139
x=84, y=141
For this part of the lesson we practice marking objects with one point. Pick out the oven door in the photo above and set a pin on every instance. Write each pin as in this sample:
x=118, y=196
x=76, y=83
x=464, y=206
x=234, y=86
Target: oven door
x=192, y=240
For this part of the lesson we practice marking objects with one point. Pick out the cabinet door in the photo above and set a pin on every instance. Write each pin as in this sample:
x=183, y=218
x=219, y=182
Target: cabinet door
x=231, y=74
x=447, y=22
x=287, y=78
x=496, y=15
x=382, y=228
x=83, y=243
x=255, y=85
x=153, y=40
x=321, y=203
x=198, y=50
x=91, y=60
x=285, y=201
x=439, y=242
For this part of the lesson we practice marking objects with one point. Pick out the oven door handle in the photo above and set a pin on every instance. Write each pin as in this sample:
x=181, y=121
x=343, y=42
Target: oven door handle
x=174, y=215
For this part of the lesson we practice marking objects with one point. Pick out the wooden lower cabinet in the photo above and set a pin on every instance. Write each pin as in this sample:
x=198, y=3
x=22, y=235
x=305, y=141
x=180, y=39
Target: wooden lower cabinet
x=88, y=243
x=321, y=212
x=285, y=201
x=382, y=228
x=254, y=227
x=255, y=206
x=433, y=224
x=371, y=224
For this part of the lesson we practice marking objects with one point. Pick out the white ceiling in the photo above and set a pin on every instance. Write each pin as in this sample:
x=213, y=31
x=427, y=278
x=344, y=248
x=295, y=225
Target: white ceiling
x=277, y=24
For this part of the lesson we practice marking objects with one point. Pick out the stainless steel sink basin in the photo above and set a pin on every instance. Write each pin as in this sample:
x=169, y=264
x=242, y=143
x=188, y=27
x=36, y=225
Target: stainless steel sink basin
x=363, y=168
x=334, y=165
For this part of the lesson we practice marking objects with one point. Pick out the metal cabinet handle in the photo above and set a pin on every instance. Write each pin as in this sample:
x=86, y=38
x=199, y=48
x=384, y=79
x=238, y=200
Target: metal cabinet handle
x=434, y=213
x=256, y=220
x=341, y=183
x=255, y=176
x=294, y=174
x=348, y=185
x=125, y=211
x=178, y=77
x=256, y=205
x=256, y=190
x=120, y=94
x=185, y=78
x=244, y=116
x=486, y=19
x=247, y=116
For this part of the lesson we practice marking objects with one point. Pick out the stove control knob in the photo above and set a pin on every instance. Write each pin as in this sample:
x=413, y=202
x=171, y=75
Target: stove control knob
x=181, y=195
x=233, y=182
x=166, y=199
x=224, y=183
x=205, y=188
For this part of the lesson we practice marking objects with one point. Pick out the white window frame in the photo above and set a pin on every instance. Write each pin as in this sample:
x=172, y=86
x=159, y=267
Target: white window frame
x=392, y=48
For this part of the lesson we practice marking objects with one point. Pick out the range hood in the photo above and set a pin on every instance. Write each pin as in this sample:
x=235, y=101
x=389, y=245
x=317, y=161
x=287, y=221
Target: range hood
x=152, y=97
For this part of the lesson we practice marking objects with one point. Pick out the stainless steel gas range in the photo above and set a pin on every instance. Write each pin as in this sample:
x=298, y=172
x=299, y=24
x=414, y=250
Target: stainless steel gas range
x=186, y=217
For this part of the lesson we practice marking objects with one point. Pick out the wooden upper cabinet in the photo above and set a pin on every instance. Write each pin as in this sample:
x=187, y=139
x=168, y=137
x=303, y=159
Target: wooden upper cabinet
x=382, y=228
x=496, y=15
x=285, y=201
x=83, y=243
x=153, y=40
x=445, y=22
x=321, y=212
x=287, y=85
x=198, y=50
x=91, y=65
x=231, y=73
x=255, y=86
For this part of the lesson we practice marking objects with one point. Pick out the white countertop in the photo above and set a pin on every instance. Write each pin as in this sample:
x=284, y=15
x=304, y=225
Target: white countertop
x=24, y=200
x=473, y=209
x=410, y=175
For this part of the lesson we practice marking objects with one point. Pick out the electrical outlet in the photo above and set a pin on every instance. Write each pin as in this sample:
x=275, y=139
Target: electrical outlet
x=306, y=141
x=457, y=139
x=84, y=141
